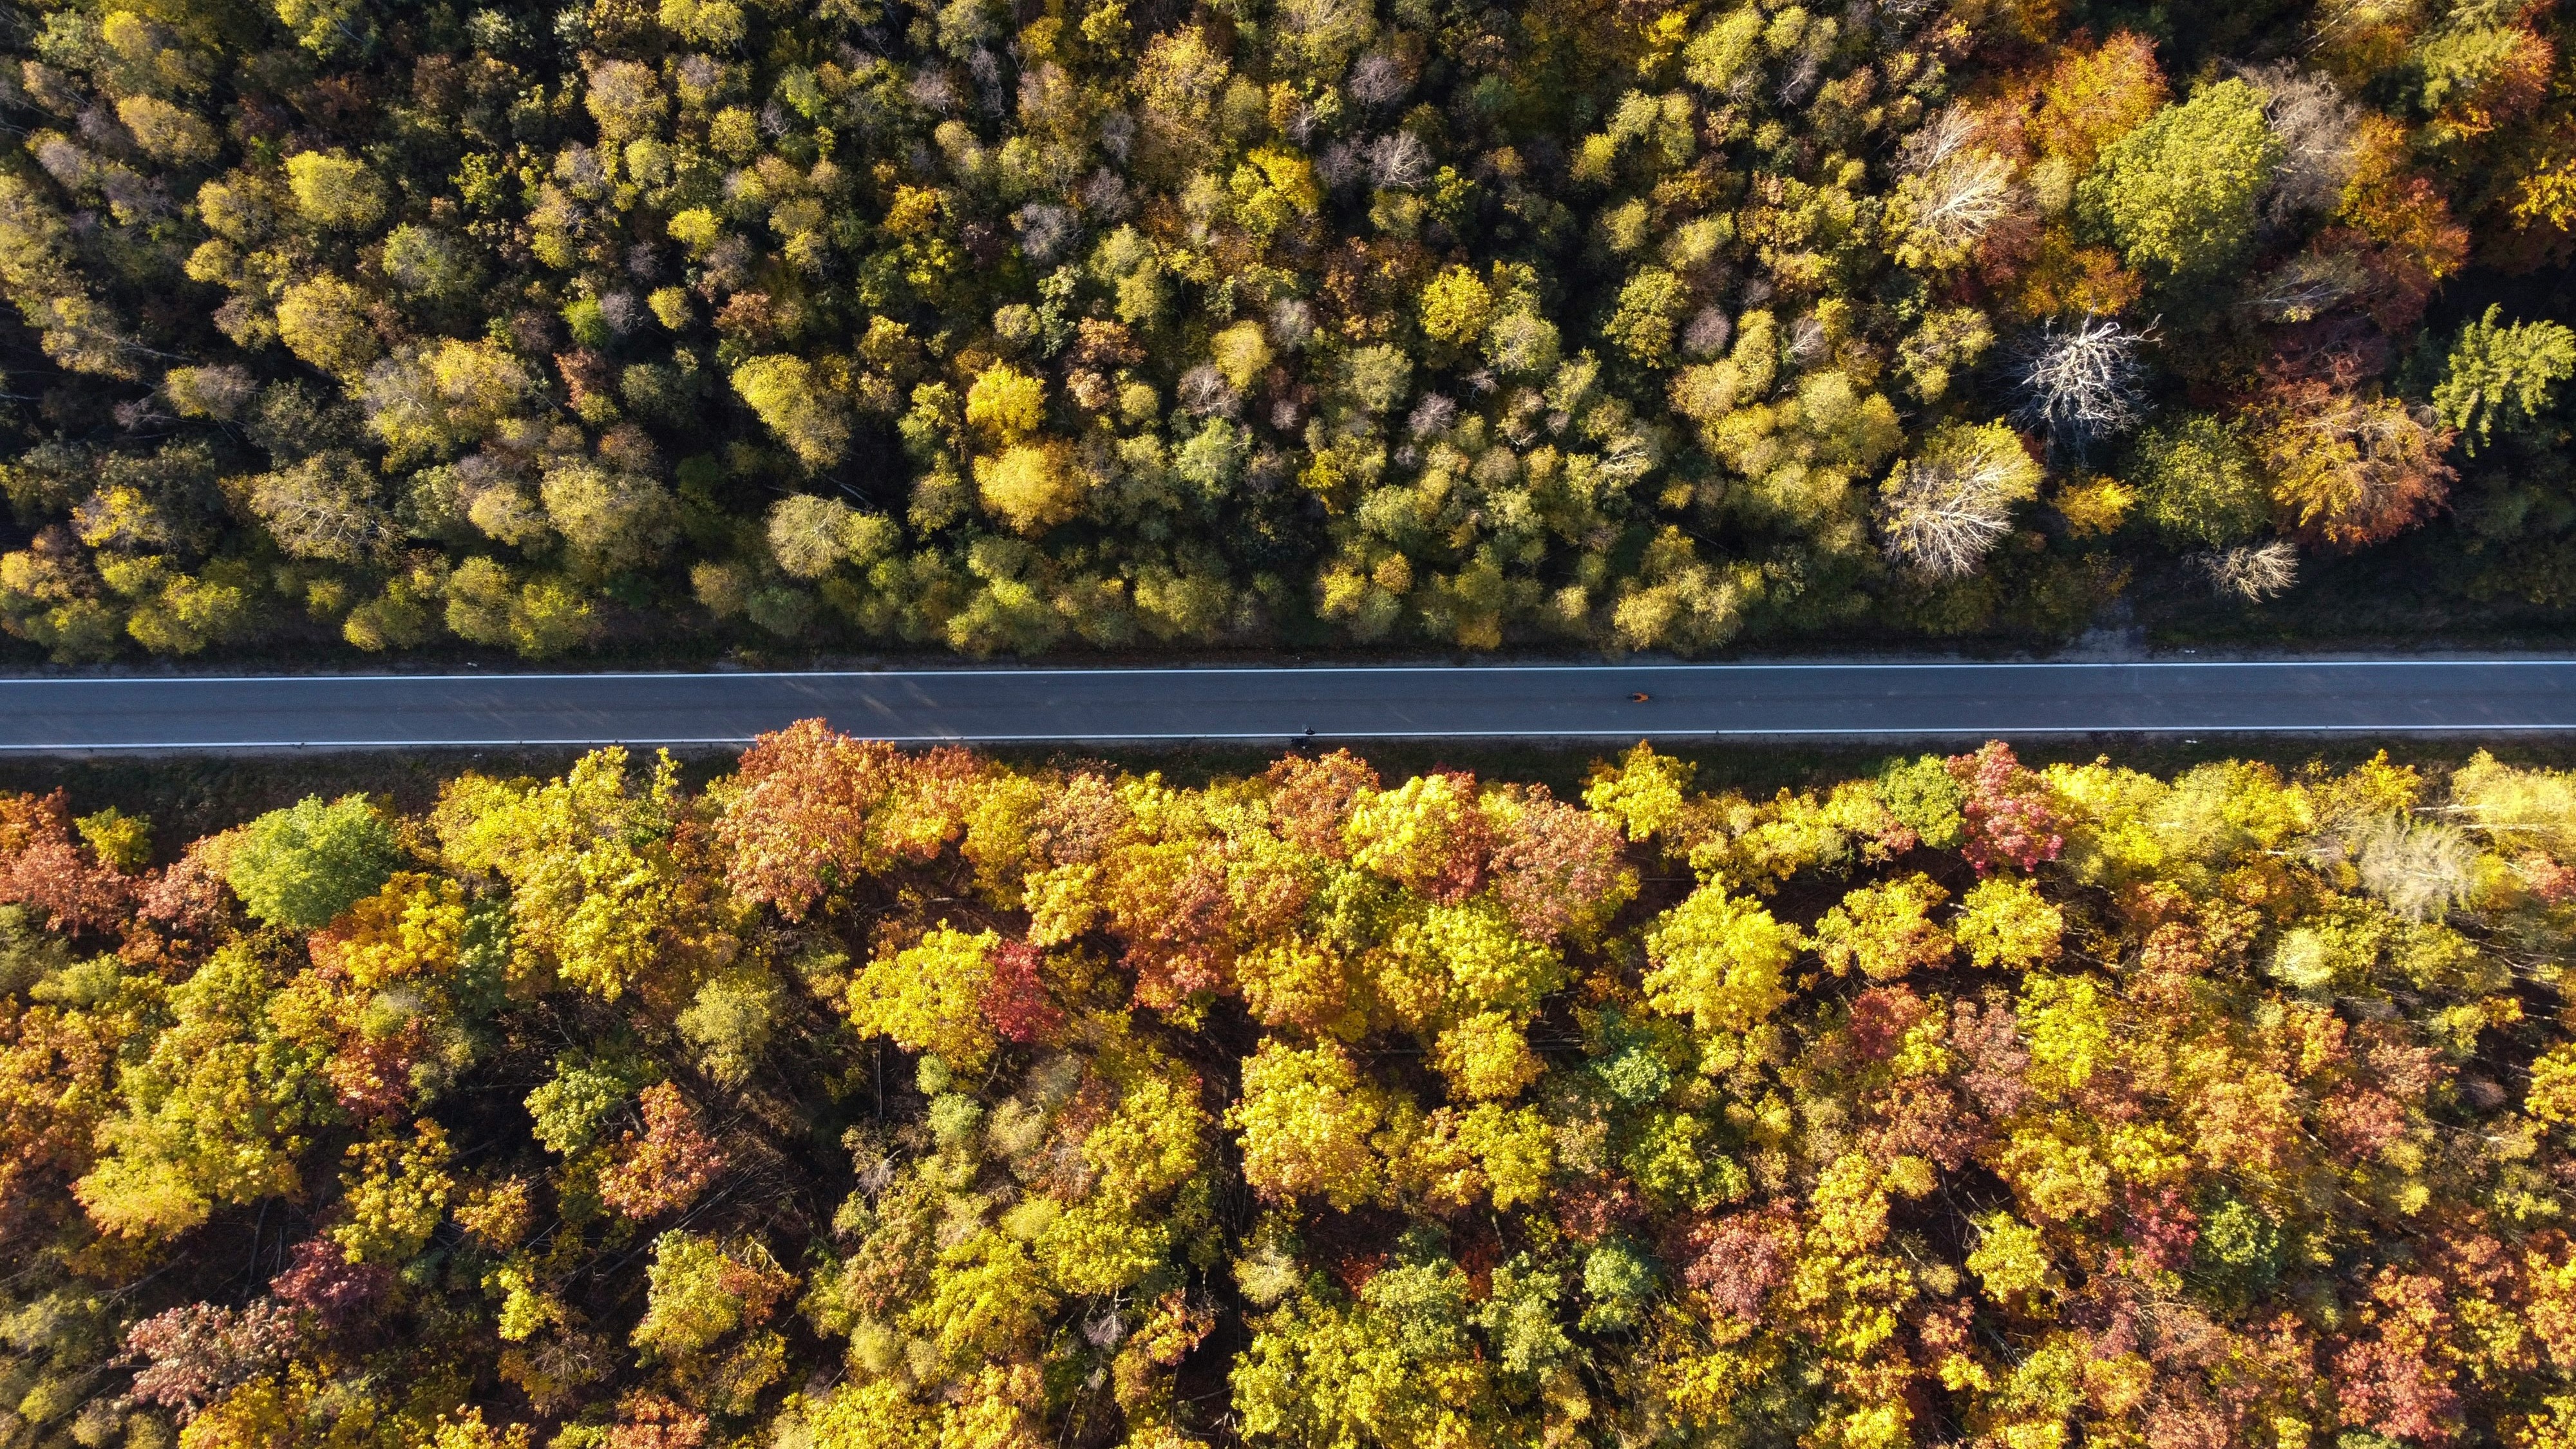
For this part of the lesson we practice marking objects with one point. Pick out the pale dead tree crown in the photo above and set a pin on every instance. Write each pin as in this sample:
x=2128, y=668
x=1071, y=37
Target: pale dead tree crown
x=2081, y=382
x=1949, y=133
x=1943, y=513
x=2252, y=571
x=2419, y=867
x=1957, y=189
x=2315, y=126
x=2306, y=287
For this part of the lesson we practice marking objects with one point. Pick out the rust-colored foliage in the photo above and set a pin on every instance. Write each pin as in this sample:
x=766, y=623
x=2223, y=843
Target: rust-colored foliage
x=320, y=1280
x=46, y=869
x=801, y=821
x=2093, y=96
x=192, y=1354
x=2350, y=469
x=663, y=1170
x=1311, y=798
x=1555, y=864
x=649, y=1421
x=1016, y=998
x=2008, y=1103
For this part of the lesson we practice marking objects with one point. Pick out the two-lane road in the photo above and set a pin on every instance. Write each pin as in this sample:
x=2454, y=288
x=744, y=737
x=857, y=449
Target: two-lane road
x=1135, y=706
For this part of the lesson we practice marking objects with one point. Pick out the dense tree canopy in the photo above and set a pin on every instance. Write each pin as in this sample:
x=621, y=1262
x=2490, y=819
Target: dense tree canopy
x=1082, y=323
x=872, y=1099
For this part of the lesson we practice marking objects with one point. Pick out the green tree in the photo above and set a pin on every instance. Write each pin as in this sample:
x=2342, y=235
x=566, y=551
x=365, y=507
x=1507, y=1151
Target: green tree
x=1642, y=326
x=303, y=865
x=119, y=840
x=1305, y=1118
x=611, y=520
x=2199, y=482
x=2177, y=195
x=2502, y=374
x=399, y=1195
x=425, y=262
x=699, y=1290
x=322, y=320
x=1923, y=795
x=929, y=997
x=1398, y=1365
x=1885, y=931
x=1455, y=307
x=811, y=536
x=571, y=1106
x=593, y=886
x=217, y=1107
x=730, y=1023
x=2004, y=921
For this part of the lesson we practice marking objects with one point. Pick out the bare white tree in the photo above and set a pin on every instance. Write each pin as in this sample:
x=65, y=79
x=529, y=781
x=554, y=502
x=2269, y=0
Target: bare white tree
x=1046, y=230
x=1377, y=79
x=934, y=90
x=2315, y=127
x=1708, y=332
x=2341, y=19
x=1340, y=165
x=1807, y=341
x=218, y=391
x=1942, y=513
x=2080, y=384
x=1399, y=160
x=1432, y=415
x=2306, y=287
x=2419, y=867
x=1962, y=199
x=1948, y=133
x=1104, y=196
x=809, y=535
x=623, y=311
x=1118, y=135
x=1205, y=392
x=1292, y=321
x=321, y=508
x=1800, y=82
x=2251, y=571
x=1950, y=191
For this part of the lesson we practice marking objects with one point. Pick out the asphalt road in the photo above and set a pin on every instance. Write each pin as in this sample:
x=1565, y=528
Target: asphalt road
x=1111, y=706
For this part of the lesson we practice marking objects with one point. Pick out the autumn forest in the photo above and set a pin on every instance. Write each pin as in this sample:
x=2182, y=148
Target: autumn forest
x=349, y=326
x=870, y=1100
x=839, y=1096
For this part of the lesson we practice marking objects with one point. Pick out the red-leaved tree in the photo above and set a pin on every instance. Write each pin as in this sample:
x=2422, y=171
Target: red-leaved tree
x=665, y=1169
